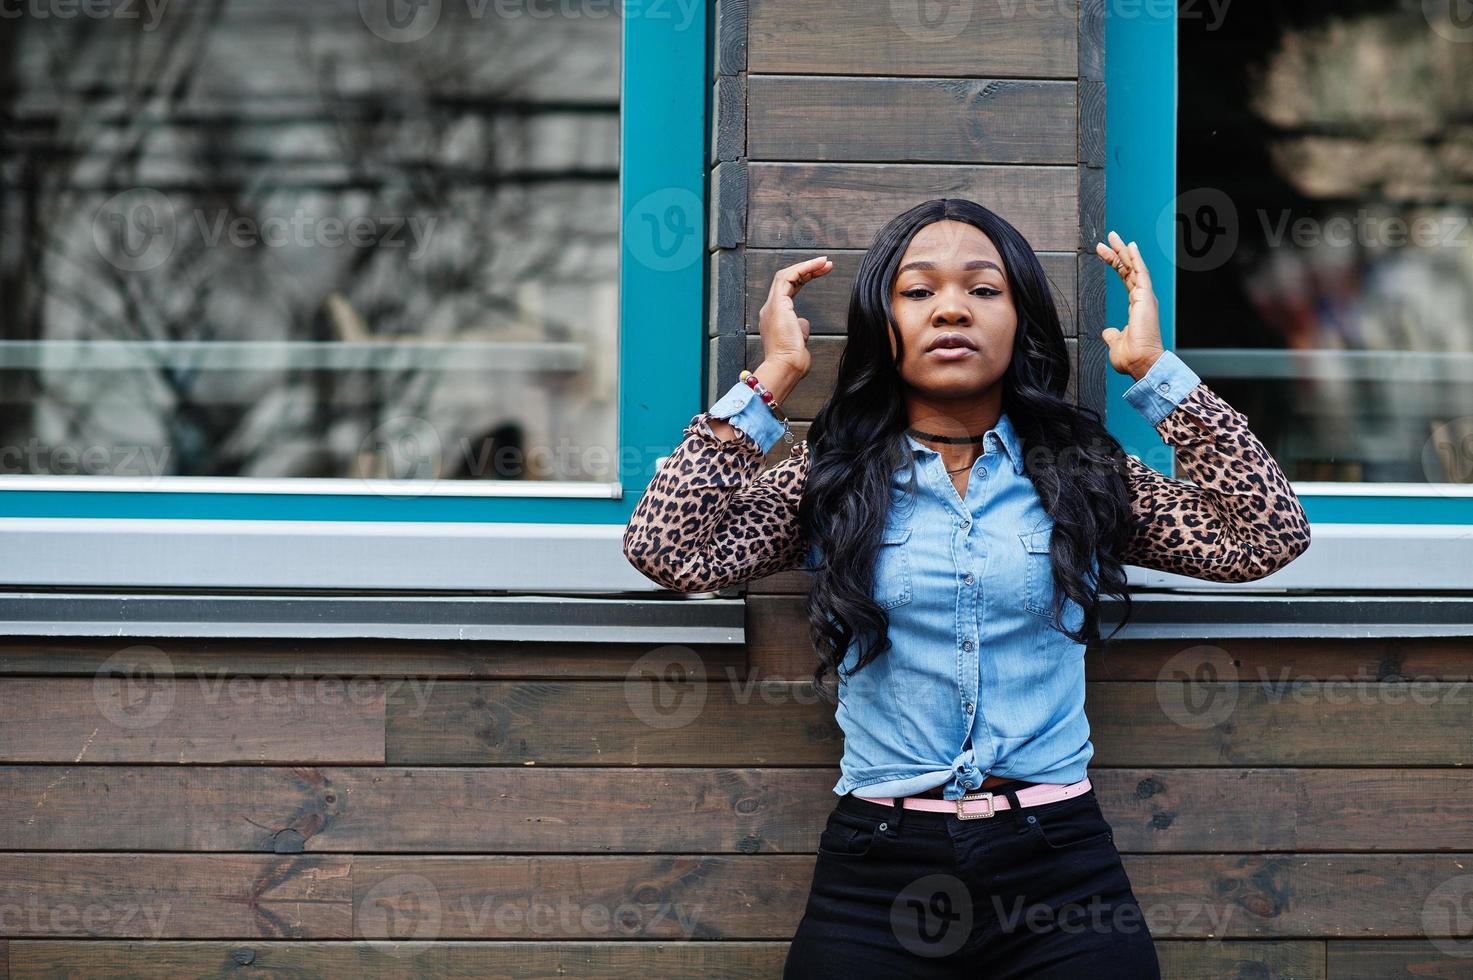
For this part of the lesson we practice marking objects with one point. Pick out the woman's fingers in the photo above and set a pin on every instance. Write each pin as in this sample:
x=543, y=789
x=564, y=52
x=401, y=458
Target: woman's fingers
x=789, y=280
x=1126, y=260
x=1115, y=258
x=1142, y=275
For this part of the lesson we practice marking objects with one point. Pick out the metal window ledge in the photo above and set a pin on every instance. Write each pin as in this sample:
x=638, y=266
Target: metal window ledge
x=652, y=620
x=1186, y=615
x=672, y=618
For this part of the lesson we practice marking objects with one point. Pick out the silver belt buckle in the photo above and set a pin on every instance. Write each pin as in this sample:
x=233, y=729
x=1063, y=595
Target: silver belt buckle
x=984, y=795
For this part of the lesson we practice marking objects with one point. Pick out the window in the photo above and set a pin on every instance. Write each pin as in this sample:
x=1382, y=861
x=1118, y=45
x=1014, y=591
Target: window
x=1301, y=176
x=349, y=262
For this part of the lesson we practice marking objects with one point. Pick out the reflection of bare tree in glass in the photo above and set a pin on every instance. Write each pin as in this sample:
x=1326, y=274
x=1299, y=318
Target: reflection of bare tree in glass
x=282, y=112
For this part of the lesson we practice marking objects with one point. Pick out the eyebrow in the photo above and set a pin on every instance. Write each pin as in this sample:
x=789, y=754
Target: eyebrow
x=931, y=266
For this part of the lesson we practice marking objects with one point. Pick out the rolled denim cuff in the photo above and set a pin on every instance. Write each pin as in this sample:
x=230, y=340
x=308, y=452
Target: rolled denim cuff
x=1162, y=388
x=741, y=407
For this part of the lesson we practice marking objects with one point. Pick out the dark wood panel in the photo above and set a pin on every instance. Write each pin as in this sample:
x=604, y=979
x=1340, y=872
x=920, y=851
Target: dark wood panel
x=1380, y=959
x=973, y=120
x=1242, y=959
x=1286, y=809
x=731, y=37
x=711, y=721
x=162, y=719
x=1293, y=896
x=726, y=212
x=387, y=960
x=667, y=897
x=879, y=37
x=1274, y=662
x=1167, y=724
x=836, y=205
x=729, y=117
x=367, y=810
x=825, y=302
x=157, y=896
x=730, y=811
x=670, y=897
x=777, y=642
x=345, y=658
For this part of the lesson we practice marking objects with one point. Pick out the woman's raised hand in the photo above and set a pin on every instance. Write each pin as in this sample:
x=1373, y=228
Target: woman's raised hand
x=784, y=332
x=785, y=355
x=1135, y=349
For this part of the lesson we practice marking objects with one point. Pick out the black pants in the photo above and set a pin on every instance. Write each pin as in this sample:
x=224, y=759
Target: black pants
x=1035, y=892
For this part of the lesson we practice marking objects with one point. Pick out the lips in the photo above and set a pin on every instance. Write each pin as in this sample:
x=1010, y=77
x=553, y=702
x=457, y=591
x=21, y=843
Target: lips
x=952, y=340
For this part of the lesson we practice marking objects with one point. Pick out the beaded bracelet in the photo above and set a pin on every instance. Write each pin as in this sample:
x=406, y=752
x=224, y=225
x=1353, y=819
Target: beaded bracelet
x=769, y=400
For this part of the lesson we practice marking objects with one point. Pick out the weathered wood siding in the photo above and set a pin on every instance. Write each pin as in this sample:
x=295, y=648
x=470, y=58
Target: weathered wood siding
x=441, y=809
x=524, y=810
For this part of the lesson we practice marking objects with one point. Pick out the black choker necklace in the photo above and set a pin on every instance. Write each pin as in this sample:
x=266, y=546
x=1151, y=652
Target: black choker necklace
x=949, y=440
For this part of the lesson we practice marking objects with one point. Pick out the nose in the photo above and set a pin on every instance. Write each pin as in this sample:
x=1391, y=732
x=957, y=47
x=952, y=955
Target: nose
x=950, y=309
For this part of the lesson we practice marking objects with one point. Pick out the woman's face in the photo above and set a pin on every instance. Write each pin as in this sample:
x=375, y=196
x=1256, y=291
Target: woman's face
x=954, y=308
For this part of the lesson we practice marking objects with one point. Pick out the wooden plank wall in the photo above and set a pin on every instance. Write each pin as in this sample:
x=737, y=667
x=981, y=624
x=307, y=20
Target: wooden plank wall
x=1285, y=809
x=830, y=117
x=524, y=811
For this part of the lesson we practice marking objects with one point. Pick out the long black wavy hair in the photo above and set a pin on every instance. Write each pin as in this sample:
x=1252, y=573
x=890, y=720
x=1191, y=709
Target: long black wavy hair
x=858, y=438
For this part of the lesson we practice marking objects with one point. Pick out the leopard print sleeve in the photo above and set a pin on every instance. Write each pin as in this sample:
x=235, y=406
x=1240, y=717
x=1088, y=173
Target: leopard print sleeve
x=1237, y=521
x=709, y=519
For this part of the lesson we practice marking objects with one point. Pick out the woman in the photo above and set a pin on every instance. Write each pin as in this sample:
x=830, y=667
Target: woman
x=959, y=519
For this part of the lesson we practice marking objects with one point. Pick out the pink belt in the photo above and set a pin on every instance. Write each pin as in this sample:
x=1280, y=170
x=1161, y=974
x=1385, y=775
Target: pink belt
x=1028, y=796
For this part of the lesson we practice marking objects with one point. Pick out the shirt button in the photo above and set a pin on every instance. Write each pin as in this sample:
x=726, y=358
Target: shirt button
x=967, y=646
x=982, y=471
x=969, y=579
x=969, y=707
x=966, y=523
x=1163, y=386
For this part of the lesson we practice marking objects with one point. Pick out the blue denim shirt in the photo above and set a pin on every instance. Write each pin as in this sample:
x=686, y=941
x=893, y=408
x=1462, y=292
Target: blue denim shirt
x=978, y=680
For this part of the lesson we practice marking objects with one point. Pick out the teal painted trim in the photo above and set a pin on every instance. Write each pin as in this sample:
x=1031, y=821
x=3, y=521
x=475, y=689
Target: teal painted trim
x=310, y=507
x=663, y=295
x=662, y=310
x=1140, y=187
x=1388, y=509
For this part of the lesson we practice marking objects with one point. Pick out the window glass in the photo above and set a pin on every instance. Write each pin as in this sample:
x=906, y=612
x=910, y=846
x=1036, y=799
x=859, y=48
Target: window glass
x=287, y=239
x=1322, y=232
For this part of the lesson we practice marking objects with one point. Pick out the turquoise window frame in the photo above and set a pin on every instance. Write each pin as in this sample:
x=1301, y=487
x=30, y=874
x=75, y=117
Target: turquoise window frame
x=1141, y=68
x=662, y=296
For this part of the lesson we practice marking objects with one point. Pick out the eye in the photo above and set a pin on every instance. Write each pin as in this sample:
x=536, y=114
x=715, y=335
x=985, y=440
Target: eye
x=921, y=292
